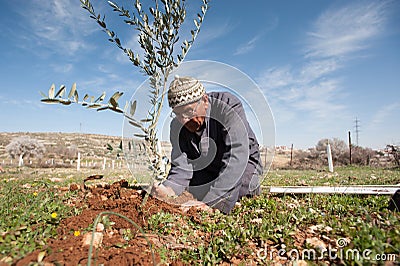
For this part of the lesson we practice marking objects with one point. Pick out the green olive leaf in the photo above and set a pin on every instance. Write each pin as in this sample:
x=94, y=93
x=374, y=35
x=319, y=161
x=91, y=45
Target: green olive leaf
x=133, y=108
x=51, y=91
x=101, y=97
x=47, y=100
x=60, y=92
x=72, y=91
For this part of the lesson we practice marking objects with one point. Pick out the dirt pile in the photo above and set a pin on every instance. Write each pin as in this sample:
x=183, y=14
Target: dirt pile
x=121, y=242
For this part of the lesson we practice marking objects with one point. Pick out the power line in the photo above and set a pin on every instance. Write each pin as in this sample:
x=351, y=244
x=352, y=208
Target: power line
x=357, y=127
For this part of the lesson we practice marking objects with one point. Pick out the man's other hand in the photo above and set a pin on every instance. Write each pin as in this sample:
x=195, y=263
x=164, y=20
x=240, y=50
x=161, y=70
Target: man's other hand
x=197, y=205
x=161, y=191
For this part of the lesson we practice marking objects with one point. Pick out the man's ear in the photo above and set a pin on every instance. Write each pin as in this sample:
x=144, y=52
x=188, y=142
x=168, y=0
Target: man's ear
x=205, y=99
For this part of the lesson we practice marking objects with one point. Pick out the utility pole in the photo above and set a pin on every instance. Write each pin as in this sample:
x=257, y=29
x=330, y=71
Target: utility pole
x=291, y=155
x=350, y=145
x=357, y=127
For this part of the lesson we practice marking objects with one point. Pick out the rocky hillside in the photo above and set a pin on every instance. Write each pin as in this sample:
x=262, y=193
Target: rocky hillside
x=60, y=145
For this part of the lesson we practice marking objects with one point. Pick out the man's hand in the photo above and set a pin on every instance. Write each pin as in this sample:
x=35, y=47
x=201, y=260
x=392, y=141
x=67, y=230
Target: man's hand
x=197, y=205
x=161, y=191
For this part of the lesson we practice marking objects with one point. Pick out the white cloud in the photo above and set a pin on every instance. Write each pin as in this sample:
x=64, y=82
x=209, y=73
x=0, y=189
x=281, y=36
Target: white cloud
x=207, y=35
x=384, y=113
x=59, y=25
x=109, y=82
x=317, y=68
x=219, y=29
x=268, y=25
x=382, y=129
x=285, y=87
x=340, y=32
x=274, y=78
x=247, y=47
x=65, y=68
x=320, y=100
x=312, y=88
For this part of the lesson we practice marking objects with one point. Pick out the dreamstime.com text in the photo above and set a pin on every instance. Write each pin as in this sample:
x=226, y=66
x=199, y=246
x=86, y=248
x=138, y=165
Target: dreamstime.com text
x=323, y=253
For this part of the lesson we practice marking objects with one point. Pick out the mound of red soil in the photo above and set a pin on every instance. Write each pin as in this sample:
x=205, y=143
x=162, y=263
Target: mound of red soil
x=121, y=242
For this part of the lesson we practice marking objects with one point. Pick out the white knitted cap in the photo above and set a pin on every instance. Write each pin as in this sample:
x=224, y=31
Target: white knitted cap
x=184, y=90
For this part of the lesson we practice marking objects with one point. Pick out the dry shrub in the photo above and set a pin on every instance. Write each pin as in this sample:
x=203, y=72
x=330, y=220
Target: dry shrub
x=26, y=147
x=362, y=156
x=63, y=152
x=316, y=158
x=394, y=153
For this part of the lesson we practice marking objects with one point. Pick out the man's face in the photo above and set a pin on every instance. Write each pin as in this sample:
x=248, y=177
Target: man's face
x=192, y=115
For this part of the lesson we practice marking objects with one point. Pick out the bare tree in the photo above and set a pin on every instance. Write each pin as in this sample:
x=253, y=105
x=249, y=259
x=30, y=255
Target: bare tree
x=70, y=152
x=338, y=147
x=394, y=151
x=25, y=147
x=362, y=156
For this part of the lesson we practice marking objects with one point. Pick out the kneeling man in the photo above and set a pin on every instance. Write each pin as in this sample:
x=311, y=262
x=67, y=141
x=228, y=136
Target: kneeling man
x=215, y=154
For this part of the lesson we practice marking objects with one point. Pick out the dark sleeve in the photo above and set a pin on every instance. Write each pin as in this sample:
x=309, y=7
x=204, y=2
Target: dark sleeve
x=181, y=171
x=225, y=190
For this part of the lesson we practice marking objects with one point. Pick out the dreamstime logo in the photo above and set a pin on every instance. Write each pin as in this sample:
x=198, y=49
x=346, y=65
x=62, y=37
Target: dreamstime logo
x=216, y=77
x=321, y=253
x=342, y=242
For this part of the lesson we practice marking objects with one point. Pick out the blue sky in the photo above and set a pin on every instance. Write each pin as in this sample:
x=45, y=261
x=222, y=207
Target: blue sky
x=320, y=64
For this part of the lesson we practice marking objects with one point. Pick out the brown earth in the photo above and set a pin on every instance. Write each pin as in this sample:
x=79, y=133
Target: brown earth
x=119, y=242
x=68, y=248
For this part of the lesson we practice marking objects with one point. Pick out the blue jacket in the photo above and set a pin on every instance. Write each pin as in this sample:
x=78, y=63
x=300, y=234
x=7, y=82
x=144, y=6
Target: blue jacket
x=221, y=163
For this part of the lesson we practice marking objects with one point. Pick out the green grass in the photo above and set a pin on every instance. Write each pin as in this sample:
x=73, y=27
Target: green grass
x=273, y=223
x=265, y=223
x=284, y=222
x=29, y=197
x=30, y=211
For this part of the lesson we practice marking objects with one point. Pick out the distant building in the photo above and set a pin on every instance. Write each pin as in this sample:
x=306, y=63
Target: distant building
x=282, y=148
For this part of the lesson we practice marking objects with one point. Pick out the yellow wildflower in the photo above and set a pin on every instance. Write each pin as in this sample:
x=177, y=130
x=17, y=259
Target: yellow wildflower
x=77, y=233
x=35, y=193
x=54, y=215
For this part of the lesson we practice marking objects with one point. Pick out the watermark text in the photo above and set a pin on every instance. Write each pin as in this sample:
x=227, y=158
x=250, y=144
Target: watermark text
x=322, y=253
